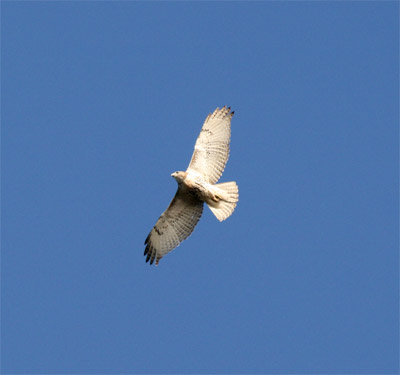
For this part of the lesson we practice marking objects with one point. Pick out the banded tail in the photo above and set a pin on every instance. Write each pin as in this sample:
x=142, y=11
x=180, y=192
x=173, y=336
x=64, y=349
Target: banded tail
x=229, y=196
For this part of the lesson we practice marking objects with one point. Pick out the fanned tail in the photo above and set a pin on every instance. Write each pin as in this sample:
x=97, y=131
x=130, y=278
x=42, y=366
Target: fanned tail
x=229, y=196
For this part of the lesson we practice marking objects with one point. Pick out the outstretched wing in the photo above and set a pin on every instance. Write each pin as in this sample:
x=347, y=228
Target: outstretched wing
x=174, y=225
x=211, y=151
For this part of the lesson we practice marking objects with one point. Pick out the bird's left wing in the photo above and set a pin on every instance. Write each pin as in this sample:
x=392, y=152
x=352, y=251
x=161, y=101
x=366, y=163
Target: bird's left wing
x=174, y=225
x=211, y=151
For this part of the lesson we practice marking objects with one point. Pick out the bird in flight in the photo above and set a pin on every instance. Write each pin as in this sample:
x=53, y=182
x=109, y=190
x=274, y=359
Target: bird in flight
x=196, y=186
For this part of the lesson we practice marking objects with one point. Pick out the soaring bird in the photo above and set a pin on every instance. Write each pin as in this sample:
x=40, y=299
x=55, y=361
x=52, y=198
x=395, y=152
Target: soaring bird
x=195, y=186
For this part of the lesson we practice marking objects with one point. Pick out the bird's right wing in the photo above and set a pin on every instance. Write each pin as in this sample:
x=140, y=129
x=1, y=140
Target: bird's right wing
x=174, y=225
x=211, y=151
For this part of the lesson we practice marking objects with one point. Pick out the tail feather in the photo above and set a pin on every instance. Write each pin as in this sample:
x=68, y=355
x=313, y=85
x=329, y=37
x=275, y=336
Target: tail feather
x=228, y=192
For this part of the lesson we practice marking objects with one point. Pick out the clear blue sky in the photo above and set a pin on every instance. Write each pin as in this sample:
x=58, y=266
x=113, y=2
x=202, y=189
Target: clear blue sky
x=102, y=101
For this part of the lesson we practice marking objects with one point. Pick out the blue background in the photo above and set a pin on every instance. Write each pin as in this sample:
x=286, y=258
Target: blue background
x=102, y=101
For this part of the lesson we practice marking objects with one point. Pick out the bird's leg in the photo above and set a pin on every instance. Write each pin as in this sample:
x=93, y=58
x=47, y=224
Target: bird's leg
x=216, y=197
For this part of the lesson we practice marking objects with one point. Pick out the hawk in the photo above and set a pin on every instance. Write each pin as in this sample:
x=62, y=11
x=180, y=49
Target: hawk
x=196, y=186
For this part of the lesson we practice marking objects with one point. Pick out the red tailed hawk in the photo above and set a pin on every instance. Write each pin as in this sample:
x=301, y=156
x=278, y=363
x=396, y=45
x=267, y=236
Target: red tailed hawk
x=196, y=186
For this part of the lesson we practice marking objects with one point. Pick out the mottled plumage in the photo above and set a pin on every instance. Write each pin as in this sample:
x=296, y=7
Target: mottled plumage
x=196, y=186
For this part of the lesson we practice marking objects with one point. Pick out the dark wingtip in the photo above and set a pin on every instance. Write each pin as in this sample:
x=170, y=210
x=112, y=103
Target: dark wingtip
x=229, y=110
x=153, y=256
x=148, y=257
x=151, y=253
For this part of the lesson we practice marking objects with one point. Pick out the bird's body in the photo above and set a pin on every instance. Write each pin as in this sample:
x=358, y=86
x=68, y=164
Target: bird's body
x=195, y=186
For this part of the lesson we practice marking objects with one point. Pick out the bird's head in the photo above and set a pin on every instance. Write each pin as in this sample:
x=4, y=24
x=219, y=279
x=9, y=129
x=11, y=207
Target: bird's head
x=179, y=176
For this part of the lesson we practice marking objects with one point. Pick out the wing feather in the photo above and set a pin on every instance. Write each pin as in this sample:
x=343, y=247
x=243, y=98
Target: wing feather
x=211, y=151
x=175, y=225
